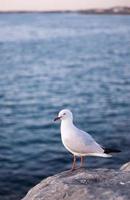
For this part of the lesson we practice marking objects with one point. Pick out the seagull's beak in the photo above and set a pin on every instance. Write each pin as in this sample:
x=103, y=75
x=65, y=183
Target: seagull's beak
x=57, y=118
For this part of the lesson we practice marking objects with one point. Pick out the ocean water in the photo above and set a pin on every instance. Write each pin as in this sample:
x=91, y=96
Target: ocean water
x=53, y=61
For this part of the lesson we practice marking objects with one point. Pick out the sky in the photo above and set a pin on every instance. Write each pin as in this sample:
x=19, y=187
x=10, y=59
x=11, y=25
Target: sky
x=45, y=5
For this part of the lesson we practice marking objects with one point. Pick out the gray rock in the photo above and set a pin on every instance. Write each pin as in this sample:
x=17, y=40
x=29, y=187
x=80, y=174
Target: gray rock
x=82, y=184
x=125, y=167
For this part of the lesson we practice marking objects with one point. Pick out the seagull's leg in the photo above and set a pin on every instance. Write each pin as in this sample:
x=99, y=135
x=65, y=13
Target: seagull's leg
x=74, y=163
x=81, y=161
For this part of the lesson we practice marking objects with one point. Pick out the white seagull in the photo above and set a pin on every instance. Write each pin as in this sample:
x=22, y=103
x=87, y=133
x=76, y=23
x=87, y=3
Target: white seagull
x=78, y=142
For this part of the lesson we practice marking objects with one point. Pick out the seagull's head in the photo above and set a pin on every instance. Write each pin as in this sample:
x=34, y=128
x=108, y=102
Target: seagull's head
x=64, y=115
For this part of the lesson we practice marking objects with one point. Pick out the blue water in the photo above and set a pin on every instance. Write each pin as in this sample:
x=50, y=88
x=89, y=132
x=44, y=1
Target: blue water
x=53, y=61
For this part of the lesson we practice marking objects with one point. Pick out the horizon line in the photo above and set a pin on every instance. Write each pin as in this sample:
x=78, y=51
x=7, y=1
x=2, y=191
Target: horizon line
x=63, y=10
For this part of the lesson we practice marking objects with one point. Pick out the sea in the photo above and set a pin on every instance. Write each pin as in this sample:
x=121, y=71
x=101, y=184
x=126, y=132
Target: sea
x=52, y=61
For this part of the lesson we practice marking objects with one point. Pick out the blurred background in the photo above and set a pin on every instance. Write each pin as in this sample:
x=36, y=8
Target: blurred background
x=51, y=61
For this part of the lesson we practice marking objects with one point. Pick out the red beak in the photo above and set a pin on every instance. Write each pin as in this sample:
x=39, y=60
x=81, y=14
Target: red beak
x=57, y=118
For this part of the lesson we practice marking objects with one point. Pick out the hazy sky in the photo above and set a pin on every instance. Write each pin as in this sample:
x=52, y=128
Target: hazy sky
x=59, y=4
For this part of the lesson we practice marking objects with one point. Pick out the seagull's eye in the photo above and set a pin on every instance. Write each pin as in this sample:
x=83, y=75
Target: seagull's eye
x=64, y=113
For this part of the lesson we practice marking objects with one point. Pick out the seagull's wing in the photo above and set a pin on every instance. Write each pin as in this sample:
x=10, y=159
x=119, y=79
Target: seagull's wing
x=88, y=141
x=83, y=143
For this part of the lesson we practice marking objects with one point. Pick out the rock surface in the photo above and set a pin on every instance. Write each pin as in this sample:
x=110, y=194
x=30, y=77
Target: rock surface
x=125, y=167
x=82, y=184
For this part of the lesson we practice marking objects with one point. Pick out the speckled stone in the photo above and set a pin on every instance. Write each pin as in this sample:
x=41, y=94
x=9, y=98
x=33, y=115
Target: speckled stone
x=82, y=184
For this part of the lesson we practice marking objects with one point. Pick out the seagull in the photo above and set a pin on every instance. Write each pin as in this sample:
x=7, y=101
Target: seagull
x=79, y=143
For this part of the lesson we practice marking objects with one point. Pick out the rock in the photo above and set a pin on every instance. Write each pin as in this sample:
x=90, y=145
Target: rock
x=82, y=184
x=125, y=167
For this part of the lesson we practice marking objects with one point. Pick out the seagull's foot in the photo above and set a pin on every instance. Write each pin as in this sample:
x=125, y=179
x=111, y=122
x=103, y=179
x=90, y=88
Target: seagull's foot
x=81, y=167
x=72, y=170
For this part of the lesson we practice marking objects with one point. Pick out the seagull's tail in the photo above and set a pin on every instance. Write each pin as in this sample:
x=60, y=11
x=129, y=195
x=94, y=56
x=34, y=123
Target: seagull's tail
x=109, y=150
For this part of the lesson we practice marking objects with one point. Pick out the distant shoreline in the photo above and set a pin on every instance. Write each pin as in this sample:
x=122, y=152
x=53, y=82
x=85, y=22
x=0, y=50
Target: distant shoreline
x=110, y=11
